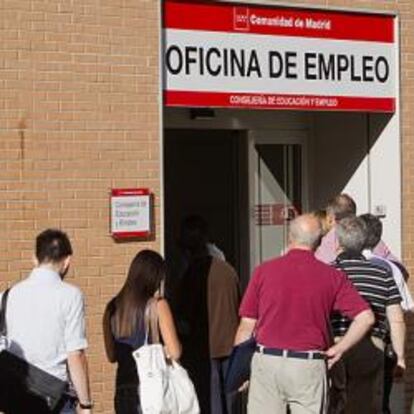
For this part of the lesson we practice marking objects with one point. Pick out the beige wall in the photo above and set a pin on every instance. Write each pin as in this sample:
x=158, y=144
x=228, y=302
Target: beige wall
x=79, y=90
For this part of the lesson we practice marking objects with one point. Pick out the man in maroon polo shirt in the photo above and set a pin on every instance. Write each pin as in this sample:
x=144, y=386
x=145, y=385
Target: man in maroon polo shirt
x=287, y=306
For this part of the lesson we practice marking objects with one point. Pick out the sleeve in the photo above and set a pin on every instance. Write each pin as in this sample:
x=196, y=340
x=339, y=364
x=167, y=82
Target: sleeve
x=249, y=307
x=75, y=330
x=347, y=299
x=234, y=292
x=393, y=293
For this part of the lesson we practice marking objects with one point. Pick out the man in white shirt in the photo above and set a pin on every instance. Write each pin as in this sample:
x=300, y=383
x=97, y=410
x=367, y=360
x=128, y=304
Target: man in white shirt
x=46, y=327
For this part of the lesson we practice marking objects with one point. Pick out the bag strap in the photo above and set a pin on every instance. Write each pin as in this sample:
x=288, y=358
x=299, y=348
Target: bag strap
x=3, y=309
x=152, y=329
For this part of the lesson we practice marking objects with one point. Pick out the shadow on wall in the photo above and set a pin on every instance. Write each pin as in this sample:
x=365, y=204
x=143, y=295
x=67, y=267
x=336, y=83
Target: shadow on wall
x=340, y=143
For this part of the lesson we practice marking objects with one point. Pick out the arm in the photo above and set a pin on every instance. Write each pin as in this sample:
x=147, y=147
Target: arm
x=168, y=331
x=108, y=336
x=78, y=369
x=396, y=321
x=249, y=309
x=75, y=341
x=358, y=328
x=245, y=330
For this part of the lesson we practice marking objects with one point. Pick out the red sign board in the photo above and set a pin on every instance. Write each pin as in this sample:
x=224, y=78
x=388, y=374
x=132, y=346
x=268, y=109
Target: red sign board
x=227, y=55
x=131, y=213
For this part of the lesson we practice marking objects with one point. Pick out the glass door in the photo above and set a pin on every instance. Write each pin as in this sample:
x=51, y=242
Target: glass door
x=277, y=166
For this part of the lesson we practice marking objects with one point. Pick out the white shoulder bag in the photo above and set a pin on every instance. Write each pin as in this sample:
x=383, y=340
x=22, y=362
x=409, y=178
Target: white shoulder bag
x=164, y=386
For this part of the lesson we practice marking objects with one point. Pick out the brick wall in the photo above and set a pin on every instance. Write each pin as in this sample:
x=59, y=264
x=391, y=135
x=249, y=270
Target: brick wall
x=79, y=114
x=79, y=96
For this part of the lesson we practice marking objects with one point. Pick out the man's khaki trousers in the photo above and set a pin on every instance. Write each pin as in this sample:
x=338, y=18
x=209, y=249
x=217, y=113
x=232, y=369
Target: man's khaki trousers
x=279, y=382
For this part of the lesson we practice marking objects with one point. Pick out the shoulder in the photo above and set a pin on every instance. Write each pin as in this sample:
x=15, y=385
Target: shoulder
x=224, y=267
x=161, y=302
x=381, y=268
x=334, y=273
x=163, y=306
x=271, y=264
x=379, y=261
x=71, y=289
x=329, y=237
x=71, y=293
x=337, y=274
x=15, y=288
x=267, y=269
x=364, y=267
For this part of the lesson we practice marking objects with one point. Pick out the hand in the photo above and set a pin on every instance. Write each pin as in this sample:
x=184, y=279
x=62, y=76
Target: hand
x=244, y=387
x=333, y=354
x=399, y=369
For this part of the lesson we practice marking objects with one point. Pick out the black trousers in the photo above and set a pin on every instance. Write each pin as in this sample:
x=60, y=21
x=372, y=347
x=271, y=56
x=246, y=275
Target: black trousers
x=390, y=363
x=127, y=399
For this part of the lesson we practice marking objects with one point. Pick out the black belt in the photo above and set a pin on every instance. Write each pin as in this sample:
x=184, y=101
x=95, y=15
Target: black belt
x=290, y=354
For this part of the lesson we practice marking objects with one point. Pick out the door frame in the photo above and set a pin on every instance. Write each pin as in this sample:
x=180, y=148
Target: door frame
x=285, y=136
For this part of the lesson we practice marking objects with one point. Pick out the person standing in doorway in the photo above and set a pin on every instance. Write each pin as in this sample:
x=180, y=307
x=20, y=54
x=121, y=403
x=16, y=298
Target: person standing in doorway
x=207, y=307
x=287, y=307
x=322, y=216
x=46, y=327
x=125, y=329
x=340, y=207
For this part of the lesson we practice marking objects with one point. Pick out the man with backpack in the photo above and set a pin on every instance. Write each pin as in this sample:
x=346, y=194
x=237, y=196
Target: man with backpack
x=44, y=329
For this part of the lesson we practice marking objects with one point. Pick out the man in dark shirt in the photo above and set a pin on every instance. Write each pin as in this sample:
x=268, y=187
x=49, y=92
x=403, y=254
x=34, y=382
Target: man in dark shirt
x=207, y=310
x=287, y=307
x=400, y=275
x=358, y=379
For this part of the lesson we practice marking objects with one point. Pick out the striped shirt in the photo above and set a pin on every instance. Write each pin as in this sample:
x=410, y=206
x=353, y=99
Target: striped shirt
x=375, y=284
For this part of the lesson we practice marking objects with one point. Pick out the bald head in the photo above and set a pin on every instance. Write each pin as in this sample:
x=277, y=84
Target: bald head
x=305, y=232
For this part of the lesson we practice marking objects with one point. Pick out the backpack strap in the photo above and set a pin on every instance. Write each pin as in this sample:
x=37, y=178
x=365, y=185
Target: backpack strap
x=3, y=309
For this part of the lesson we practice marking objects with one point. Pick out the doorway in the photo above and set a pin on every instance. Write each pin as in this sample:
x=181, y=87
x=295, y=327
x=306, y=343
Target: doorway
x=247, y=185
x=205, y=173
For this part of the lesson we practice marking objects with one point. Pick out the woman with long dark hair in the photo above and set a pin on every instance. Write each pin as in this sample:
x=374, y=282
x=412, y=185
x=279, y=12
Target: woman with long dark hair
x=125, y=327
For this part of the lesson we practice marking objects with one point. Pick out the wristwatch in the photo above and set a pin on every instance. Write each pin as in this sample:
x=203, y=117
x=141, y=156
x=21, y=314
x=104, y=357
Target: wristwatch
x=86, y=406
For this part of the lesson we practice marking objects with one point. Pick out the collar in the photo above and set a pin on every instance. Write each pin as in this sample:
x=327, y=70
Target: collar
x=44, y=275
x=301, y=252
x=350, y=255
